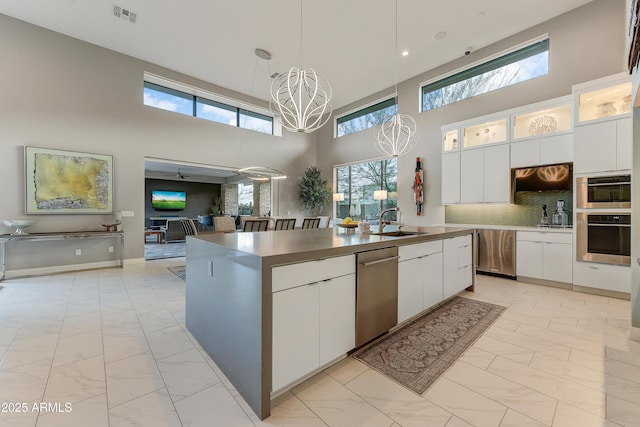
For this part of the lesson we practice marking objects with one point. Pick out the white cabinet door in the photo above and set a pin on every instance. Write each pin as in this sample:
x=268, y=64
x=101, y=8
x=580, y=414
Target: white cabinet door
x=457, y=269
x=432, y=286
x=411, y=277
x=337, y=317
x=557, y=262
x=594, y=147
x=556, y=149
x=524, y=154
x=450, y=178
x=449, y=268
x=624, y=143
x=497, y=174
x=296, y=333
x=472, y=176
x=529, y=259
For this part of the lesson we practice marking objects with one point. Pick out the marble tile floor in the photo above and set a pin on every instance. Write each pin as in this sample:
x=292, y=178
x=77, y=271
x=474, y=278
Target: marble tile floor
x=111, y=344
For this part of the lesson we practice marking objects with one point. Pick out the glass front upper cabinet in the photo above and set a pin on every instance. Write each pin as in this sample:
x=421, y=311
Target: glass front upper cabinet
x=542, y=122
x=450, y=139
x=489, y=132
x=605, y=102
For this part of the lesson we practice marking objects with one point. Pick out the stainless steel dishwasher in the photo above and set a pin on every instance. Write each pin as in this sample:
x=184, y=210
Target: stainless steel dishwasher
x=376, y=293
x=496, y=252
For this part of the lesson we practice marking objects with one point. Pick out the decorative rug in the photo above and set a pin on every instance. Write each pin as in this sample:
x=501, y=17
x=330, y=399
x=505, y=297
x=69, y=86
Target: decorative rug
x=180, y=271
x=164, y=250
x=418, y=353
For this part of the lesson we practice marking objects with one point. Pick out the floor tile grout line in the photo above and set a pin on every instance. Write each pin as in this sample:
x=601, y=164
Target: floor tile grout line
x=144, y=333
x=53, y=358
x=322, y=419
x=422, y=396
x=104, y=354
x=504, y=404
x=546, y=394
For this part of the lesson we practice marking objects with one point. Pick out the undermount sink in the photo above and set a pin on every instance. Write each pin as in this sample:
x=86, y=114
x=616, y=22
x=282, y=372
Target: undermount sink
x=397, y=233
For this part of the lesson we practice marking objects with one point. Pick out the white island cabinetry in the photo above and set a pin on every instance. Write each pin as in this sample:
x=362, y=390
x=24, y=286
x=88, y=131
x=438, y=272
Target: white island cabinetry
x=313, y=313
x=457, y=265
x=419, y=278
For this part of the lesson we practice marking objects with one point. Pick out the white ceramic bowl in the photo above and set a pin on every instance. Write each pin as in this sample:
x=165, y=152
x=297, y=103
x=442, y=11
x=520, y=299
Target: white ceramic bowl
x=18, y=224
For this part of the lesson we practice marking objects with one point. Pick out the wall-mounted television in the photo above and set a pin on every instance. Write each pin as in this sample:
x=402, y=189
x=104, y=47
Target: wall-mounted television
x=543, y=178
x=168, y=200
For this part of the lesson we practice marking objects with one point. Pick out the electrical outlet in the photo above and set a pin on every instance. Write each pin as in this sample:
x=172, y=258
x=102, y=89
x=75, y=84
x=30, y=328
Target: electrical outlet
x=110, y=249
x=127, y=213
x=78, y=252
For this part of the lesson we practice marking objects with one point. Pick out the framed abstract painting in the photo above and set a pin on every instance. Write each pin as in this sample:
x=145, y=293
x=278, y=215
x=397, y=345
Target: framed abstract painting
x=67, y=182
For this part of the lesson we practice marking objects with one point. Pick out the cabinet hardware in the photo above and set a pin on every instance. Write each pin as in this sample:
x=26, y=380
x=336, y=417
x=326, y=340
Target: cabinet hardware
x=378, y=261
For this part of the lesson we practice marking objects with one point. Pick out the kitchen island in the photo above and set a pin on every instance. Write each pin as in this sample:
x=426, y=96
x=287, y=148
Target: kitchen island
x=272, y=308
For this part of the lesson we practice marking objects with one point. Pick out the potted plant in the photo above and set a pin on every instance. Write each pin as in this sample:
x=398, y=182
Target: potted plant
x=216, y=207
x=313, y=191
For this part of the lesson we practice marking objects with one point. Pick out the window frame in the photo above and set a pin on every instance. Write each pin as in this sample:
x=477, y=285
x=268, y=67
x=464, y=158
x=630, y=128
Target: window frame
x=391, y=202
x=371, y=107
x=507, y=57
x=196, y=95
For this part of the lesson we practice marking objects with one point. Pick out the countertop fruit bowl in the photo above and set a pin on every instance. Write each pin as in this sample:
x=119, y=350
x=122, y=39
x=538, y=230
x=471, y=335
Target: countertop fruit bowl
x=349, y=225
x=19, y=225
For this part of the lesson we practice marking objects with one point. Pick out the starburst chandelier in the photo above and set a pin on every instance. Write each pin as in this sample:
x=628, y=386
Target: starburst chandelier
x=397, y=134
x=301, y=98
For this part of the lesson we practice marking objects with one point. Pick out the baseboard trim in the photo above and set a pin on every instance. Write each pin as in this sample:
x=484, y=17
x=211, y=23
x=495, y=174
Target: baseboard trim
x=41, y=271
x=602, y=292
x=634, y=333
x=543, y=282
x=132, y=261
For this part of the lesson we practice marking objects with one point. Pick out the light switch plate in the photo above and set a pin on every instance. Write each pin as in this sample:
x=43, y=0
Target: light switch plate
x=127, y=213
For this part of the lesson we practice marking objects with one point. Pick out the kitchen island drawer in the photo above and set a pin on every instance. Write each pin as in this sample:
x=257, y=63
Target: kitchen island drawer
x=607, y=277
x=302, y=273
x=419, y=249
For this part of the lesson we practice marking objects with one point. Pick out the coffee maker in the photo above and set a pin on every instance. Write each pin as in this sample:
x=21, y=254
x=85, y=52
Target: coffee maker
x=560, y=217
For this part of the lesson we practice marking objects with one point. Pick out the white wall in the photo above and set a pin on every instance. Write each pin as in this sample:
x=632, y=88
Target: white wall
x=585, y=44
x=59, y=92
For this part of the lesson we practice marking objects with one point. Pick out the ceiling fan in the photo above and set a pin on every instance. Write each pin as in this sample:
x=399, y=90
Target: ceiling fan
x=179, y=175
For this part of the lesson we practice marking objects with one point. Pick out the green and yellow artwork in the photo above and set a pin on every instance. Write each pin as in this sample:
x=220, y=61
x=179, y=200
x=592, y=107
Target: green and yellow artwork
x=68, y=182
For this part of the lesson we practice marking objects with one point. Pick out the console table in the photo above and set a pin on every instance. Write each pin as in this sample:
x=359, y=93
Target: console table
x=41, y=237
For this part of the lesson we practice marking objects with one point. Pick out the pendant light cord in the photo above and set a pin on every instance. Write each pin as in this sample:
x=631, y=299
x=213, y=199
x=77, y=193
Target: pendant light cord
x=301, y=34
x=395, y=52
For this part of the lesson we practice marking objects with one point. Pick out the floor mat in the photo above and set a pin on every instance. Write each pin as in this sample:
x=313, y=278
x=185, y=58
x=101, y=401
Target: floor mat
x=417, y=354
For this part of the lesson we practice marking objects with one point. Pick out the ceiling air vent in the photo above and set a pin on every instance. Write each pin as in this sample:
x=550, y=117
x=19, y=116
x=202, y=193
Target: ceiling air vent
x=124, y=14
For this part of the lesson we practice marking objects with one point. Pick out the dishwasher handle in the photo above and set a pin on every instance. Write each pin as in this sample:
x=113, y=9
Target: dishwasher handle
x=378, y=261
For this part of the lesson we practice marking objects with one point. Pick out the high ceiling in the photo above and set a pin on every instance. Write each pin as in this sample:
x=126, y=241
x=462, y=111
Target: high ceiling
x=350, y=42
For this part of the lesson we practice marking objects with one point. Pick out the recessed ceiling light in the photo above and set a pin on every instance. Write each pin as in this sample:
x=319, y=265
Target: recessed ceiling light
x=405, y=53
x=440, y=35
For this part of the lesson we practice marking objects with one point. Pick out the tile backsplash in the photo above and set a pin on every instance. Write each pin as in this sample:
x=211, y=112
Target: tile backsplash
x=525, y=210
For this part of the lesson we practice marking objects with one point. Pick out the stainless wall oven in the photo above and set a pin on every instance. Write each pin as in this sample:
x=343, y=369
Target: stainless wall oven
x=603, y=192
x=603, y=237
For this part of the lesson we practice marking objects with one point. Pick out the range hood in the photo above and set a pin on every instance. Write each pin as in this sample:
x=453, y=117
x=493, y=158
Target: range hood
x=543, y=178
